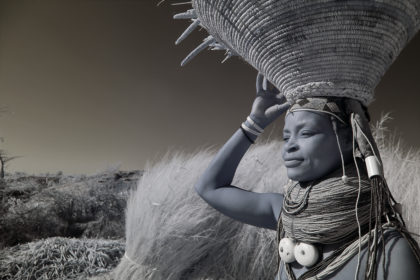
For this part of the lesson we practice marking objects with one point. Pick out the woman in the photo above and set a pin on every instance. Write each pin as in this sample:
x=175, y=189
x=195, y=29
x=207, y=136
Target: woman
x=317, y=153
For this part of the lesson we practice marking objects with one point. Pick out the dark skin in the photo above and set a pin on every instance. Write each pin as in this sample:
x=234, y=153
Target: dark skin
x=310, y=152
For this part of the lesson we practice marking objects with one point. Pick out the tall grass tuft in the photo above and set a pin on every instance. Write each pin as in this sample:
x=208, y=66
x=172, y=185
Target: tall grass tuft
x=402, y=172
x=172, y=233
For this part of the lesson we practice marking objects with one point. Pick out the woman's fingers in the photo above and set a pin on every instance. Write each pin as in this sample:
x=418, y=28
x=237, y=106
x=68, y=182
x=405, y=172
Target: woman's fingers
x=269, y=87
x=264, y=84
x=277, y=110
x=270, y=103
x=259, y=82
x=280, y=98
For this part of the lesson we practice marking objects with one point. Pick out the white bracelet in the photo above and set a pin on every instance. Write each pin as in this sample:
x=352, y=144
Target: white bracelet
x=257, y=127
x=244, y=126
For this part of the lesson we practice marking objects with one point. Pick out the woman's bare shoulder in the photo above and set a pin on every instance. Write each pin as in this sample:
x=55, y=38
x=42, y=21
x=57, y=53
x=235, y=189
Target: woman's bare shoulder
x=400, y=260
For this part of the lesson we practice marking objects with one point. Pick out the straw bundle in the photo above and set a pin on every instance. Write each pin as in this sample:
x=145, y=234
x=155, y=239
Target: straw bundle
x=60, y=258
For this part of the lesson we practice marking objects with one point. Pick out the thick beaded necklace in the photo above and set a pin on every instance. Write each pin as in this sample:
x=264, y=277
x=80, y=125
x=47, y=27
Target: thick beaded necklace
x=290, y=249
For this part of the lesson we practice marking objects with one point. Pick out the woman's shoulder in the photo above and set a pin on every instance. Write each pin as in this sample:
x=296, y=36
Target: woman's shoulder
x=396, y=243
x=398, y=262
x=400, y=259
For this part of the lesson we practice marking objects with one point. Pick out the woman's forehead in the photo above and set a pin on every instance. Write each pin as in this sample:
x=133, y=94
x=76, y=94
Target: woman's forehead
x=300, y=119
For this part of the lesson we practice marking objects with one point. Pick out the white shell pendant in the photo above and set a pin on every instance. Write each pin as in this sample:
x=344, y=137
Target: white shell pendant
x=286, y=250
x=306, y=254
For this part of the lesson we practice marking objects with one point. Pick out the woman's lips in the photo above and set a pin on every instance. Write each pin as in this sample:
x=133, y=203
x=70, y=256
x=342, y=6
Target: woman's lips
x=292, y=162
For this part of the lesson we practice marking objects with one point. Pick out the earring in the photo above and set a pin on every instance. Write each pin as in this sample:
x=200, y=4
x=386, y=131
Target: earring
x=344, y=178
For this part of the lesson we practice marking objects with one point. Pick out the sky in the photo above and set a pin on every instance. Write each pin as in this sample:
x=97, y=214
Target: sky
x=90, y=85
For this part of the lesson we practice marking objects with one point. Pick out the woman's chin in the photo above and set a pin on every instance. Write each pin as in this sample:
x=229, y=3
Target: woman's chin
x=301, y=174
x=296, y=175
x=305, y=175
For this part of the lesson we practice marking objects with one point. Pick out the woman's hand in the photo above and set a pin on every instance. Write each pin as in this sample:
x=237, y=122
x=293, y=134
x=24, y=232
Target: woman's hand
x=269, y=103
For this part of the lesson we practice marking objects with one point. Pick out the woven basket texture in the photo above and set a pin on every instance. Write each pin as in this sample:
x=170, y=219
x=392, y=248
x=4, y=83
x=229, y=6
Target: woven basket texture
x=314, y=47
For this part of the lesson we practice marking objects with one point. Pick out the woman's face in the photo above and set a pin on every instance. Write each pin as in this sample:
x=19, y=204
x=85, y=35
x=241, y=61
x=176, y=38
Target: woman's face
x=310, y=150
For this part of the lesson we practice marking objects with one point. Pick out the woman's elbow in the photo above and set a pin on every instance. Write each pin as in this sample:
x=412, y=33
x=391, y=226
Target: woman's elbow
x=202, y=187
x=198, y=188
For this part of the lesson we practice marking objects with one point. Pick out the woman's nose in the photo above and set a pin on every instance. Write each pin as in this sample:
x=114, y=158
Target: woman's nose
x=291, y=146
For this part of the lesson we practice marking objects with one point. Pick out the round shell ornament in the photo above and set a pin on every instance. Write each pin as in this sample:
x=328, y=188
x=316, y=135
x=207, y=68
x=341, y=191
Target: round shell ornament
x=306, y=254
x=287, y=250
x=309, y=48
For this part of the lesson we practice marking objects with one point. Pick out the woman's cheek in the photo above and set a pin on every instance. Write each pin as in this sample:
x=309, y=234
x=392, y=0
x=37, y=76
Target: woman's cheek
x=317, y=146
x=315, y=152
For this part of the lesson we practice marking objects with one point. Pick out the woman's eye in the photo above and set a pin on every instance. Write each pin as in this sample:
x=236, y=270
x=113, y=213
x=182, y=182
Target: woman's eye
x=307, y=133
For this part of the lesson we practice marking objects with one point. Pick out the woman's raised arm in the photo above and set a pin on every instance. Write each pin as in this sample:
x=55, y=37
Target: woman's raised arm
x=214, y=186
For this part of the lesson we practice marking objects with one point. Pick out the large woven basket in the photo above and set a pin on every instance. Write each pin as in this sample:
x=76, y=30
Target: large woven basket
x=310, y=47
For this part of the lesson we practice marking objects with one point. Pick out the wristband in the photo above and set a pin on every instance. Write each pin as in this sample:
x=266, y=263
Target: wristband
x=246, y=135
x=255, y=125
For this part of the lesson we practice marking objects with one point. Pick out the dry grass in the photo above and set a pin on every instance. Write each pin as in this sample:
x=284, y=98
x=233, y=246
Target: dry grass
x=174, y=234
x=42, y=206
x=60, y=258
x=402, y=171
